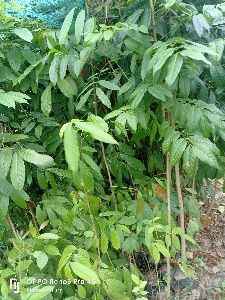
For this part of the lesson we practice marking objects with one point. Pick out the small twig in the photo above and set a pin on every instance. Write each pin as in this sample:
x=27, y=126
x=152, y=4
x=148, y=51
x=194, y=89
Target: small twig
x=106, y=10
x=209, y=210
x=180, y=199
x=93, y=8
x=152, y=8
x=25, y=235
x=194, y=178
x=87, y=9
x=95, y=232
x=108, y=173
x=102, y=145
x=168, y=189
x=33, y=218
x=181, y=207
x=12, y=226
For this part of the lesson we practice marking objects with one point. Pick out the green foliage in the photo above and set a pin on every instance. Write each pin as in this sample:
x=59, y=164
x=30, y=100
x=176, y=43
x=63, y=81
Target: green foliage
x=83, y=145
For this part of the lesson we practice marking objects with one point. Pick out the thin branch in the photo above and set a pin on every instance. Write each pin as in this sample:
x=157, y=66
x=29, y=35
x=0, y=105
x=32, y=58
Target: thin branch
x=168, y=189
x=33, y=218
x=209, y=210
x=102, y=145
x=108, y=173
x=194, y=178
x=181, y=207
x=180, y=198
x=95, y=232
x=152, y=8
x=12, y=226
x=106, y=10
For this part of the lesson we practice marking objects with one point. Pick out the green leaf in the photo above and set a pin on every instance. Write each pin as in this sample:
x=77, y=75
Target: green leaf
x=92, y=164
x=67, y=86
x=140, y=203
x=104, y=243
x=138, y=95
x=200, y=24
x=177, y=151
x=133, y=162
x=51, y=250
x=154, y=253
x=130, y=245
x=9, y=99
x=131, y=120
x=96, y=132
x=87, y=177
x=20, y=197
x=15, y=59
x=66, y=27
x=83, y=99
x=5, y=161
x=4, y=204
x=79, y=25
x=124, y=88
x=28, y=70
x=35, y=158
x=46, y=100
x=5, y=187
x=103, y=97
x=71, y=147
x=189, y=162
x=145, y=62
x=115, y=113
x=48, y=236
x=66, y=255
x=170, y=138
x=53, y=70
x=115, y=239
x=24, y=34
x=195, y=54
x=109, y=85
x=108, y=34
x=162, y=59
x=176, y=242
x=173, y=69
x=161, y=247
x=184, y=86
x=160, y=91
x=84, y=272
x=41, y=259
x=205, y=151
x=217, y=46
x=178, y=230
x=17, y=172
x=63, y=66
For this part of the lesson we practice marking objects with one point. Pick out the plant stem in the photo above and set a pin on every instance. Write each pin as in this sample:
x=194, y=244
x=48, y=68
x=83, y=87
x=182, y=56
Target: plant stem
x=33, y=218
x=102, y=145
x=12, y=226
x=168, y=189
x=152, y=8
x=108, y=173
x=194, y=178
x=168, y=167
x=212, y=201
x=106, y=10
x=181, y=207
x=180, y=199
x=95, y=232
